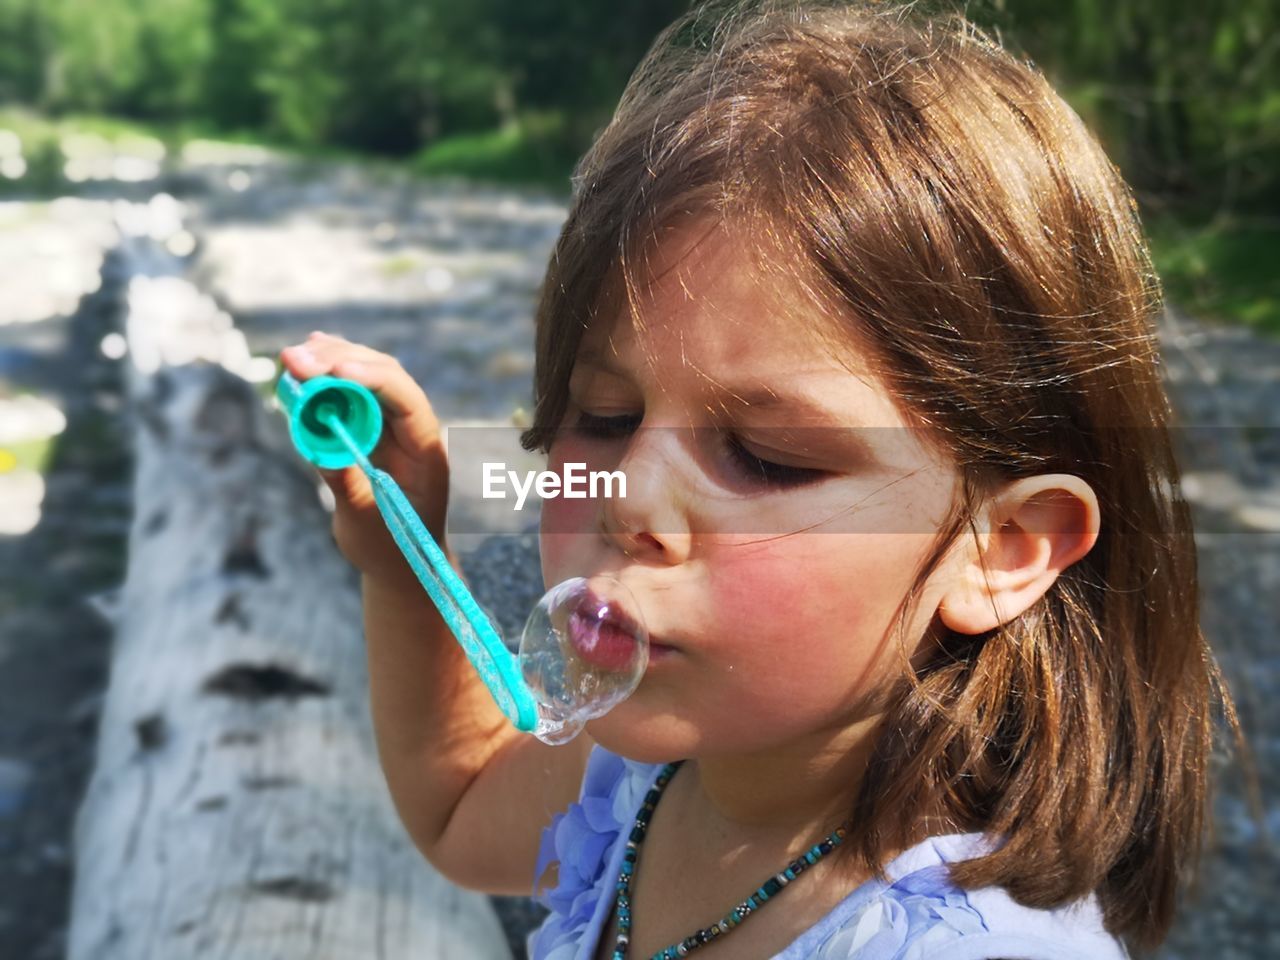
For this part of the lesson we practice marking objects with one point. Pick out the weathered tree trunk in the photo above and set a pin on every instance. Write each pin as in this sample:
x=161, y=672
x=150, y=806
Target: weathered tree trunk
x=236, y=808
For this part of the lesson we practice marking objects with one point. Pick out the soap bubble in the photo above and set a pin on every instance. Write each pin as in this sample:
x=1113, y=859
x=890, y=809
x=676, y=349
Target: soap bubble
x=584, y=650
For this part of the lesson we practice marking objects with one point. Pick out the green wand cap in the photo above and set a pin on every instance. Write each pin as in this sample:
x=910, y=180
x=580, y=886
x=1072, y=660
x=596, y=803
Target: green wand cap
x=309, y=404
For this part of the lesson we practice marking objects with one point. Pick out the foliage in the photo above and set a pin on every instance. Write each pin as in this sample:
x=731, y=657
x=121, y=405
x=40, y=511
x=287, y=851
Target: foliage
x=1184, y=94
x=1221, y=270
x=388, y=76
x=531, y=150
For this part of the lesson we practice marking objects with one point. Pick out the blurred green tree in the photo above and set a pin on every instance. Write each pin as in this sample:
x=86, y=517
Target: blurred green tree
x=243, y=35
x=137, y=58
x=1185, y=93
x=26, y=42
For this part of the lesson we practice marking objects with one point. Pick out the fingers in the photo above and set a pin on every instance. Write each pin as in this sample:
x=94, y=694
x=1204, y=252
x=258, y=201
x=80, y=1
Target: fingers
x=349, y=486
x=321, y=353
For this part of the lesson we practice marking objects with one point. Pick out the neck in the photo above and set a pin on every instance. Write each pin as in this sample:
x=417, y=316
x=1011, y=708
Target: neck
x=792, y=791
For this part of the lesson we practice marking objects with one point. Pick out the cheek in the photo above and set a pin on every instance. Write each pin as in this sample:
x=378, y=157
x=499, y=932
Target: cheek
x=833, y=593
x=562, y=552
x=566, y=526
x=750, y=580
x=800, y=576
x=569, y=515
x=564, y=515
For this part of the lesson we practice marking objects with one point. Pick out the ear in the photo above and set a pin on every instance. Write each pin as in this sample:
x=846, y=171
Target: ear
x=1029, y=533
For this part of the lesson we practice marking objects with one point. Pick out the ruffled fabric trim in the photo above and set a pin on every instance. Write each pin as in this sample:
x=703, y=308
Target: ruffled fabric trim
x=910, y=918
x=581, y=839
x=914, y=916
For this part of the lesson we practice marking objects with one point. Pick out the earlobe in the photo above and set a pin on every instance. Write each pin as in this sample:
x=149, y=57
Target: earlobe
x=1042, y=525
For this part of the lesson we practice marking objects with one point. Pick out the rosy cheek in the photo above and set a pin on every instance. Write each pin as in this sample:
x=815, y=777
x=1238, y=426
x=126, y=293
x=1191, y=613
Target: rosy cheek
x=756, y=586
x=568, y=527
x=568, y=515
x=747, y=586
x=565, y=520
x=553, y=552
x=811, y=585
x=566, y=538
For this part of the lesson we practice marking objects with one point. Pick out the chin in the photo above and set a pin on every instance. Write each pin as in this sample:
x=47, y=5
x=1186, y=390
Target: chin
x=643, y=739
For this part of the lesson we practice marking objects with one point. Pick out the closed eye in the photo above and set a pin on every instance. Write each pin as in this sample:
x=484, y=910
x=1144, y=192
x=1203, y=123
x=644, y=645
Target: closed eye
x=606, y=428
x=766, y=471
x=747, y=464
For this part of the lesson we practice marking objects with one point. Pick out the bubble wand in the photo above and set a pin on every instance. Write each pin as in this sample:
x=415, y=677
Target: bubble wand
x=568, y=669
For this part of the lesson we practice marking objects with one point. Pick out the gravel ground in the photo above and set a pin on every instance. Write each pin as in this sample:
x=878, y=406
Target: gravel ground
x=1227, y=382
x=443, y=277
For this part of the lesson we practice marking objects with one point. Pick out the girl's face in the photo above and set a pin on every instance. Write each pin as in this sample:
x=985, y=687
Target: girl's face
x=761, y=636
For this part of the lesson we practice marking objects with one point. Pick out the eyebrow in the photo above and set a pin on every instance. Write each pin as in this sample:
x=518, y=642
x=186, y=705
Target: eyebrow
x=752, y=395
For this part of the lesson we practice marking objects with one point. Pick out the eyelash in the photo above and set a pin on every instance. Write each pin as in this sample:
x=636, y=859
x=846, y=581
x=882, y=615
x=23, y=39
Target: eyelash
x=752, y=467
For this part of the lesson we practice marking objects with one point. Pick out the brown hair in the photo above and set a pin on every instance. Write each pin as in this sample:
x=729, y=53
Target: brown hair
x=947, y=209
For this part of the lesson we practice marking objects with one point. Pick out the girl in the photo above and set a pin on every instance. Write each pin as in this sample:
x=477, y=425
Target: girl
x=865, y=316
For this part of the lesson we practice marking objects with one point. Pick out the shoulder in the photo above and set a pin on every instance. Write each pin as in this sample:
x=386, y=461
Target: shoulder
x=920, y=915
x=583, y=840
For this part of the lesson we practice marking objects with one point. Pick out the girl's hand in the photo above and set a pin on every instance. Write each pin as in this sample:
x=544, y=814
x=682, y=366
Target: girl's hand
x=411, y=449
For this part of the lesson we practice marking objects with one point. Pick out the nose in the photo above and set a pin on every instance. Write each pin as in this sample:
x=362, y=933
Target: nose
x=650, y=524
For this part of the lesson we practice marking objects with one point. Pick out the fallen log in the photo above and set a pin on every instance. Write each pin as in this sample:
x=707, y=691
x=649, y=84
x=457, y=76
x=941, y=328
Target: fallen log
x=236, y=808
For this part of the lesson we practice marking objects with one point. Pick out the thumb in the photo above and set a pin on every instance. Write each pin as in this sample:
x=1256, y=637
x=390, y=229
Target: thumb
x=345, y=484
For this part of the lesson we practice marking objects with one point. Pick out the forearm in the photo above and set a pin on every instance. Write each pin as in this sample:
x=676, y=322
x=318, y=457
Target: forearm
x=435, y=721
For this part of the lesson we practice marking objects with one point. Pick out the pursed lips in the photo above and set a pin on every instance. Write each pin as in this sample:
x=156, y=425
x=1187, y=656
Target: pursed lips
x=604, y=634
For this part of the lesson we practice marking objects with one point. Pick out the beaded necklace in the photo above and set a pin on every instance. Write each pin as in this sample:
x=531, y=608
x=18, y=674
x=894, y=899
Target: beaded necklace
x=622, y=904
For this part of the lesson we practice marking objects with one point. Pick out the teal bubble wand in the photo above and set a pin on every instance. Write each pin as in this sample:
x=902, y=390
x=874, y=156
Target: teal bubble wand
x=554, y=685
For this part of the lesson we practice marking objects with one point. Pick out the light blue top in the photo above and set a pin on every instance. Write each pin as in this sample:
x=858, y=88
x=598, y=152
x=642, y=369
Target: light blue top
x=917, y=915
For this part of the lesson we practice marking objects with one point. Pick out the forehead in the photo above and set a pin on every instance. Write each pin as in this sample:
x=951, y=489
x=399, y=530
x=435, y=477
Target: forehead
x=711, y=322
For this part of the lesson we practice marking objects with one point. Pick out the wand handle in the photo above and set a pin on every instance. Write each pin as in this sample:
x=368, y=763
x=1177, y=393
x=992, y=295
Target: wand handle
x=335, y=423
